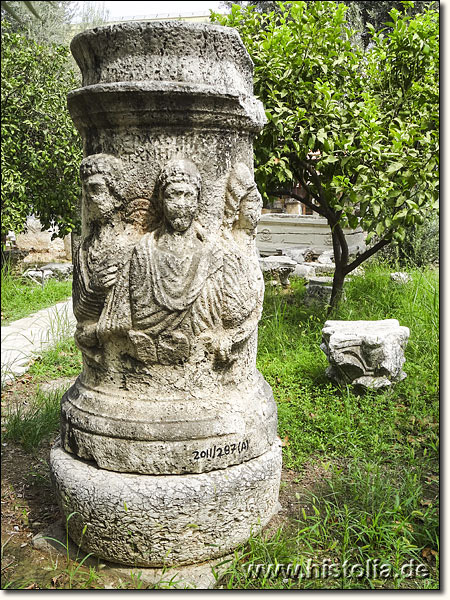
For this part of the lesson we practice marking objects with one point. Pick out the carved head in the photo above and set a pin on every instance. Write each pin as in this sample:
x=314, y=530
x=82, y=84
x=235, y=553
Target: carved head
x=250, y=211
x=242, y=200
x=179, y=185
x=100, y=176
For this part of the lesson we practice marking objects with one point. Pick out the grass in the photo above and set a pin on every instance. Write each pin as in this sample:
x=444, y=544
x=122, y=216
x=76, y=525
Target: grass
x=362, y=512
x=62, y=360
x=30, y=424
x=22, y=298
x=376, y=494
x=318, y=417
x=383, y=502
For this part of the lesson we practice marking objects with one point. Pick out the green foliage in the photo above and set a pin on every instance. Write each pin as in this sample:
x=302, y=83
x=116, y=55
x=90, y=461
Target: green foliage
x=363, y=13
x=420, y=248
x=21, y=298
x=359, y=130
x=41, y=149
x=370, y=119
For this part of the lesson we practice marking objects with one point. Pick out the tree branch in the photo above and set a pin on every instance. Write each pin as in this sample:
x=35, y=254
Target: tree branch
x=367, y=254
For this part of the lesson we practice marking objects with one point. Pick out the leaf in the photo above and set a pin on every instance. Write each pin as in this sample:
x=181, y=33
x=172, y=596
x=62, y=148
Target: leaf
x=330, y=159
x=400, y=214
x=379, y=228
x=426, y=503
x=321, y=135
x=393, y=167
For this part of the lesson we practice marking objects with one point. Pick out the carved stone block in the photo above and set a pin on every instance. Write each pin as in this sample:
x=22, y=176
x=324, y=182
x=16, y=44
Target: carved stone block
x=369, y=354
x=280, y=267
x=167, y=295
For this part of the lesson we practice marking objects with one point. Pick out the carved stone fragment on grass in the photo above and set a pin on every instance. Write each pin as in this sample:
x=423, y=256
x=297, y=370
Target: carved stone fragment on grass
x=318, y=291
x=368, y=354
x=400, y=277
x=280, y=267
x=170, y=432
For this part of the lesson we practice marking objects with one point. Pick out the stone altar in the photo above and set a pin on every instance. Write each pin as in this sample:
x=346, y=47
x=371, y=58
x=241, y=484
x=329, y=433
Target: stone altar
x=169, y=452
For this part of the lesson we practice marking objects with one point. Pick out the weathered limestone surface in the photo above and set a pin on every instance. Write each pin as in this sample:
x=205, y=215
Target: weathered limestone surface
x=400, y=277
x=167, y=295
x=278, y=266
x=318, y=290
x=369, y=354
x=146, y=520
x=277, y=231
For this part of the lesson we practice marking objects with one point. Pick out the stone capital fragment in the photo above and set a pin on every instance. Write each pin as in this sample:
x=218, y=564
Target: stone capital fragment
x=368, y=354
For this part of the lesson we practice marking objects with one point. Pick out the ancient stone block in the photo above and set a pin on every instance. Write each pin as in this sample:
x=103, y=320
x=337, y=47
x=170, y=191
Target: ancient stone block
x=369, y=354
x=318, y=290
x=167, y=295
x=297, y=254
x=305, y=271
x=400, y=277
x=280, y=267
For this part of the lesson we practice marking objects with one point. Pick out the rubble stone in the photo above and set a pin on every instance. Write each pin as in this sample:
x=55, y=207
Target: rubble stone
x=280, y=267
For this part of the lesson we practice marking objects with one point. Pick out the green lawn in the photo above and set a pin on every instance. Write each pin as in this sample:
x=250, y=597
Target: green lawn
x=22, y=298
x=379, y=498
x=371, y=459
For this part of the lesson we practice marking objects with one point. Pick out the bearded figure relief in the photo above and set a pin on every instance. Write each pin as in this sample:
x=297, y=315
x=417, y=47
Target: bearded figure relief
x=170, y=291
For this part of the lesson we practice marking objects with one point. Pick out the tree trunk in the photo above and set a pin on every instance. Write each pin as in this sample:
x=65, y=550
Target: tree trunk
x=338, y=286
x=340, y=249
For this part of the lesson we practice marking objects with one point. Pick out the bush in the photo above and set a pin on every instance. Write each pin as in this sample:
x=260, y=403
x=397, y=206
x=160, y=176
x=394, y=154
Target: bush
x=41, y=149
x=420, y=248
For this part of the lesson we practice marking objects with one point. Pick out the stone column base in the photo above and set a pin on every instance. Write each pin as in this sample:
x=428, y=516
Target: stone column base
x=163, y=520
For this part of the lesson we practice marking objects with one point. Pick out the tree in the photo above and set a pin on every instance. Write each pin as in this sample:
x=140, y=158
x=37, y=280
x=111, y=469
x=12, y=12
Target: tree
x=359, y=14
x=362, y=13
x=358, y=130
x=41, y=150
x=49, y=23
x=260, y=5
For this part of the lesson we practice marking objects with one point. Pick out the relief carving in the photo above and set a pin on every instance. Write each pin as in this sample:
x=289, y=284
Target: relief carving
x=181, y=286
x=95, y=266
x=114, y=229
x=169, y=291
x=243, y=285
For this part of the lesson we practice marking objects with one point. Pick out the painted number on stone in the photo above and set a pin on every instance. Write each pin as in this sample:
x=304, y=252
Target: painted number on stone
x=221, y=451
